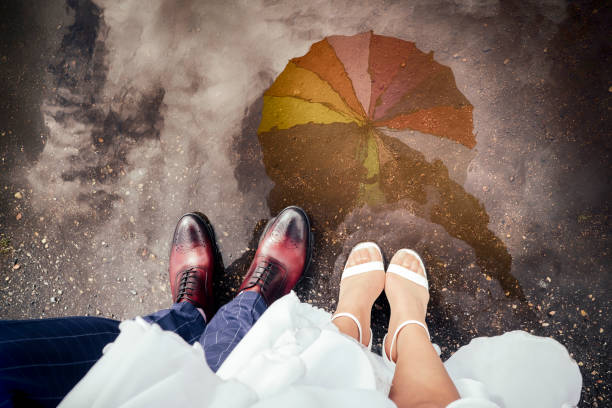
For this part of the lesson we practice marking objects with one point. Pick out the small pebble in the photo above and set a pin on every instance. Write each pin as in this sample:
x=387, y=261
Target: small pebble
x=133, y=292
x=552, y=313
x=18, y=195
x=485, y=188
x=583, y=313
x=53, y=299
x=545, y=324
x=16, y=266
x=18, y=216
x=506, y=61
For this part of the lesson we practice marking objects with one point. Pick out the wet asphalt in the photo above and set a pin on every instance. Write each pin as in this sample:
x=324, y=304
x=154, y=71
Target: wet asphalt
x=114, y=121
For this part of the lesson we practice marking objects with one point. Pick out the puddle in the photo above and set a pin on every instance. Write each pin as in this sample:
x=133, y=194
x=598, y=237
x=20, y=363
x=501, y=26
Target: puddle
x=327, y=155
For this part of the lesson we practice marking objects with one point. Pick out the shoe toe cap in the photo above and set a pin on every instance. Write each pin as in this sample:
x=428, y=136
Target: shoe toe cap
x=191, y=230
x=292, y=224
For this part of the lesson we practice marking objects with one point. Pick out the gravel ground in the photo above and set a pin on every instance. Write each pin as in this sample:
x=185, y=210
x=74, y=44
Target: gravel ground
x=116, y=120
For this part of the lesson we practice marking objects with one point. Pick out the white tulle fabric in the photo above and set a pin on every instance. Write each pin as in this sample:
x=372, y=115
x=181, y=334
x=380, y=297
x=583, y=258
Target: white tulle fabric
x=295, y=357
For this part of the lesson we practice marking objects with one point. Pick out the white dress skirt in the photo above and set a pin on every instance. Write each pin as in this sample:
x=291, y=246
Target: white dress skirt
x=295, y=357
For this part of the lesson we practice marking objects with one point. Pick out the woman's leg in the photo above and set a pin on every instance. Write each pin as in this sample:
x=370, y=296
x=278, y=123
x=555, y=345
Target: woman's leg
x=420, y=378
x=358, y=293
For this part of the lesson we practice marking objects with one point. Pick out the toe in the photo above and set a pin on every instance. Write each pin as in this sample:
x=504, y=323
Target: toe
x=363, y=254
x=408, y=260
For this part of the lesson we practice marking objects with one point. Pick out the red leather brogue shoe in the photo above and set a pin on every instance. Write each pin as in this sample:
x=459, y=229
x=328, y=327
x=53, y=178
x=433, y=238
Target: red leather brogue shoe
x=282, y=257
x=193, y=259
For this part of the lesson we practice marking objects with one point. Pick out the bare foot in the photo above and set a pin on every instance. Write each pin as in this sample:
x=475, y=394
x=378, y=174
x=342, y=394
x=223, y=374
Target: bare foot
x=408, y=300
x=358, y=293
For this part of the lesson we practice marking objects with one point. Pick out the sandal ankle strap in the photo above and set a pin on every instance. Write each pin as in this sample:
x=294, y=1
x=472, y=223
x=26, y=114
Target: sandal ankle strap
x=354, y=319
x=389, y=359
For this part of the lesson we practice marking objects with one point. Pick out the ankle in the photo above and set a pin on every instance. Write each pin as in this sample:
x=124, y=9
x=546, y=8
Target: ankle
x=409, y=334
x=355, y=329
x=347, y=326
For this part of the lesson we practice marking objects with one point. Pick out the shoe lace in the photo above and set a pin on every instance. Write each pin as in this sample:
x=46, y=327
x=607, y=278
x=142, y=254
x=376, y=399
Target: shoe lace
x=263, y=274
x=187, y=284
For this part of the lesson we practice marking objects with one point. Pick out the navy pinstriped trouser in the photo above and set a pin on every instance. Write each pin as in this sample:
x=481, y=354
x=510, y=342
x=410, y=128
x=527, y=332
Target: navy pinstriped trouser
x=41, y=360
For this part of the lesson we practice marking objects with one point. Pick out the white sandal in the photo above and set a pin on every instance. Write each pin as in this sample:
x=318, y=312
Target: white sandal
x=356, y=270
x=419, y=280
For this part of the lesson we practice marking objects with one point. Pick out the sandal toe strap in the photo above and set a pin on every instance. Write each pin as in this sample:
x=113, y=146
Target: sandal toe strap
x=408, y=274
x=363, y=268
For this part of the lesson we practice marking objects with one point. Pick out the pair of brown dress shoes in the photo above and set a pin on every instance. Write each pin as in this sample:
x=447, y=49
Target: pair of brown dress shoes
x=282, y=257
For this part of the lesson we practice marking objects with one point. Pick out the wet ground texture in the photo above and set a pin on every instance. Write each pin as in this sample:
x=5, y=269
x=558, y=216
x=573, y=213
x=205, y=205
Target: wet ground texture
x=115, y=120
